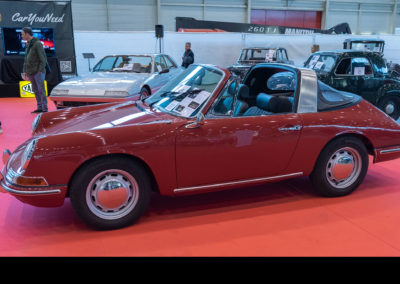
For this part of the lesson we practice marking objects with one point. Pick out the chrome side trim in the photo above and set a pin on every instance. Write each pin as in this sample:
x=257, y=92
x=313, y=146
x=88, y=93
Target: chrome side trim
x=389, y=151
x=29, y=192
x=217, y=185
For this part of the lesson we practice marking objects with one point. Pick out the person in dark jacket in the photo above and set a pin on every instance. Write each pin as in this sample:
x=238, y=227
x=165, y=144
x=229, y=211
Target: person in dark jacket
x=1, y=129
x=34, y=68
x=188, y=56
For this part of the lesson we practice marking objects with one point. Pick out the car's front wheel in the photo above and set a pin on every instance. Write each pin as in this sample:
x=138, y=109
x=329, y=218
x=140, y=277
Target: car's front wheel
x=110, y=193
x=341, y=167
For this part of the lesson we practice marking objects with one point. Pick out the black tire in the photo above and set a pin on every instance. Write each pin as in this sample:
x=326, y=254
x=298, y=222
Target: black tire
x=110, y=193
x=144, y=94
x=391, y=106
x=341, y=167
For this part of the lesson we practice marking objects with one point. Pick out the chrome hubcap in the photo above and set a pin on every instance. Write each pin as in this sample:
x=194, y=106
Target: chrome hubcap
x=112, y=194
x=389, y=108
x=343, y=167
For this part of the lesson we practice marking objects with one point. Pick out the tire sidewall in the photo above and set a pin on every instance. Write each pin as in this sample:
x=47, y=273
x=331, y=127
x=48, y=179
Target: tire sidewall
x=80, y=183
x=318, y=176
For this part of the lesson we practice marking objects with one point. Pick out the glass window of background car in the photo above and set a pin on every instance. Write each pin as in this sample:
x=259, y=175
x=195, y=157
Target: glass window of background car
x=170, y=63
x=321, y=62
x=190, y=89
x=367, y=46
x=244, y=55
x=361, y=66
x=357, y=66
x=160, y=63
x=105, y=64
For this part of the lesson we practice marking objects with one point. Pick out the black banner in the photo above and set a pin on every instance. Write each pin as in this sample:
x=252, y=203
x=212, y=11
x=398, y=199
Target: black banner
x=190, y=24
x=43, y=15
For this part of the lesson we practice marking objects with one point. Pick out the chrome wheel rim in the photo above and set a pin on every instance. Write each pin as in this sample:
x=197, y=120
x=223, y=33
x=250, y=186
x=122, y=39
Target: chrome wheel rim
x=389, y=108
x=343, y=167
x=112, y=194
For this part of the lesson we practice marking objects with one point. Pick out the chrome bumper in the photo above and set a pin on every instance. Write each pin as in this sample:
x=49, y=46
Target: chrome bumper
x=6, y=187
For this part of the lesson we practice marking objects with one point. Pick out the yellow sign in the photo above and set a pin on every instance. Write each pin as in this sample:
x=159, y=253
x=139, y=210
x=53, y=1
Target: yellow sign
x=26, y=90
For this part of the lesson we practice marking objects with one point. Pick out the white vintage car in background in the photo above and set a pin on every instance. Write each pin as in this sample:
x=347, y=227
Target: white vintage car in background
x=117, y=78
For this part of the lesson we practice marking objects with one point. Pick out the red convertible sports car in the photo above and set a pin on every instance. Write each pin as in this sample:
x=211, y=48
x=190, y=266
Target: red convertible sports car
x=203, y=131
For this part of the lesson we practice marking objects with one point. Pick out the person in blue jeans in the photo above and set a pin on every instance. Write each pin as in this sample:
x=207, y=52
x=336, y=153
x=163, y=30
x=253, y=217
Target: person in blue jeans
x=34, y=68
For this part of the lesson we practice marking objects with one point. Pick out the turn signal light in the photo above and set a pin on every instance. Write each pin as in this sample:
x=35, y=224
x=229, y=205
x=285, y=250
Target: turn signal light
x=31, y=181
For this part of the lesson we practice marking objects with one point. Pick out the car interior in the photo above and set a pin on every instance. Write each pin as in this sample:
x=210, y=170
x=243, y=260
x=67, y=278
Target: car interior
x=265, y=91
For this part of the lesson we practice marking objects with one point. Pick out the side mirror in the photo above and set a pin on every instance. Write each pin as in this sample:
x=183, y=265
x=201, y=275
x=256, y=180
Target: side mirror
x=199, y=122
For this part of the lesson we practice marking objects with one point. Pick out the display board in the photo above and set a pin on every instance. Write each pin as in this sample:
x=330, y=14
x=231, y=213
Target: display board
x=51, y=22
x=192, y=25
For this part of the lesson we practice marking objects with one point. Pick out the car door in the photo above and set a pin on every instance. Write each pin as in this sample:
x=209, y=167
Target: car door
x=227, y=149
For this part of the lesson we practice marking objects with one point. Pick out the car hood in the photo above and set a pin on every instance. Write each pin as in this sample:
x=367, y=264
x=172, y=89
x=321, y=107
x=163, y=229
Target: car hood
x=99, y=117
x=97, y=83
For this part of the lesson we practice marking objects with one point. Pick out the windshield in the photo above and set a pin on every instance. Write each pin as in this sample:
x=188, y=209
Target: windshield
x=187, y=93
x=124, y=63
x=321, y=62
x=267, y=54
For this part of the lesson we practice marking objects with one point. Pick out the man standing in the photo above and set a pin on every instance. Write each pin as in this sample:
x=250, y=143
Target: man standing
x=34, y=68
x=188, y=56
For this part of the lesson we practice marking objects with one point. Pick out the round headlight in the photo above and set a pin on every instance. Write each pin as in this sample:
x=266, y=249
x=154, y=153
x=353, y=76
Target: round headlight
x=28, y=152
x=35, y=123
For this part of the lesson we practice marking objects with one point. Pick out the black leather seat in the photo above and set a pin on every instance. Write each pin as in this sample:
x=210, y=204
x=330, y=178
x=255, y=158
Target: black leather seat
x=267, y=104
x=261, y=107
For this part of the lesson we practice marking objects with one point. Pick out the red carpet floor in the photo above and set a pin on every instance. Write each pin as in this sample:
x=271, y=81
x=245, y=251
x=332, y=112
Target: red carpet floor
x=277, y=219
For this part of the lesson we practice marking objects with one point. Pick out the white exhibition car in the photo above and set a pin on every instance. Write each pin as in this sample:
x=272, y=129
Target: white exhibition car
x=117, y=78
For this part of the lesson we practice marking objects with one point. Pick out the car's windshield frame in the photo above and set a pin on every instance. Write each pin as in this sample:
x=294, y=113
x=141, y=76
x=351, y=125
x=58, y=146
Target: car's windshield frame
x=175, y=89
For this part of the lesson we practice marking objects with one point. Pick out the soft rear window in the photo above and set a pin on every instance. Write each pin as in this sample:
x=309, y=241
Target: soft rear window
x=330, y=98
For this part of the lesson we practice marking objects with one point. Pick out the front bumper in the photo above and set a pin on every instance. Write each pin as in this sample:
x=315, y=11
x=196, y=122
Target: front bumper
x=44, y=196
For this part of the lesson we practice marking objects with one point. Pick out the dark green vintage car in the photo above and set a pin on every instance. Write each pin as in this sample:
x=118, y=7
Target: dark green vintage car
x=360, y=72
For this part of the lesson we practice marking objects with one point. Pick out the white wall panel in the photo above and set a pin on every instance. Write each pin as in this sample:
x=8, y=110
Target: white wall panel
x=234, y=15
x=89, y=15
x=133, y=15
x=169, y=13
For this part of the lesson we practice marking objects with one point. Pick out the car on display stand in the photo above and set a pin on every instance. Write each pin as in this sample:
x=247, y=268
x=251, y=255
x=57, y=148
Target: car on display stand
x=364, y=73
x=117, y=78
x=205, y=130
x=252, y=55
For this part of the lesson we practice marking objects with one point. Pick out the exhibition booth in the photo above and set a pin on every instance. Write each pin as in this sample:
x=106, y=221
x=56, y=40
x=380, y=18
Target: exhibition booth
x=51, y=23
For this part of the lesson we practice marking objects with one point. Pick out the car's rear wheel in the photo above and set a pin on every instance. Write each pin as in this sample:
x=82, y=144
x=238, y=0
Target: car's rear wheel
x=391, y=106
x=341, y=167
x=110, y=193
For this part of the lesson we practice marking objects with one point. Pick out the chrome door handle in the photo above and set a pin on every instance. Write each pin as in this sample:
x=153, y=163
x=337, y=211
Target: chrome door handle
x=292, y=128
